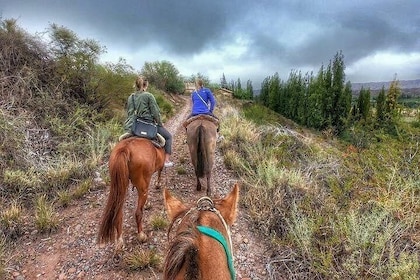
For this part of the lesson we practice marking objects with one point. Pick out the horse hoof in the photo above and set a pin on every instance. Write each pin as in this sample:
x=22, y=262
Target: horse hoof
x=142, y=237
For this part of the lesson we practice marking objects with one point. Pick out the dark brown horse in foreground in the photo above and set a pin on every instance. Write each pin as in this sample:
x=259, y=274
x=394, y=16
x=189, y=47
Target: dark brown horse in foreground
x=135, y=159
x=201, y=247
x=201, y=139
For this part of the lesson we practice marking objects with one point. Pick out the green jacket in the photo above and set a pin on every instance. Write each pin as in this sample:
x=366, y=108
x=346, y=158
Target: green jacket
x=144, y=106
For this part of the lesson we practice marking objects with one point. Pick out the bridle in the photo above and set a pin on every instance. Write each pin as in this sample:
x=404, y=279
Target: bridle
x=206, y=204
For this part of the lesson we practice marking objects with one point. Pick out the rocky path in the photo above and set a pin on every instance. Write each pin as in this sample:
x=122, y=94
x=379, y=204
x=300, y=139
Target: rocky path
x=72, y=252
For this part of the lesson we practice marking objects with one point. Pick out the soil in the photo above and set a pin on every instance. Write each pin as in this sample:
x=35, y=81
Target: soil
x=72, y=252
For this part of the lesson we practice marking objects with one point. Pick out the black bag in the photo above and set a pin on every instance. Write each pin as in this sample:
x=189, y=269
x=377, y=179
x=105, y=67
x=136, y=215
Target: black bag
x=144, y=129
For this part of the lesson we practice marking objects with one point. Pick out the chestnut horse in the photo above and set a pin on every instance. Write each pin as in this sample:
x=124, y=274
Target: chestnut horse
x=201, y=139
x=202, y=245
x=135, y=159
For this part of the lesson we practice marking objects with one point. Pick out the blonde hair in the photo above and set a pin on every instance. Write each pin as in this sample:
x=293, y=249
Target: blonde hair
x=141, y=83
x=198, y=83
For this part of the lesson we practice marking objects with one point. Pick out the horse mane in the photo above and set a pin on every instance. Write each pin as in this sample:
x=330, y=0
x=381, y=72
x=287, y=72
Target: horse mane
x=183, y=250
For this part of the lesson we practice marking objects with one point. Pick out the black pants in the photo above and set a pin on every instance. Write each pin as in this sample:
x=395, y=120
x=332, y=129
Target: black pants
x=168, y=139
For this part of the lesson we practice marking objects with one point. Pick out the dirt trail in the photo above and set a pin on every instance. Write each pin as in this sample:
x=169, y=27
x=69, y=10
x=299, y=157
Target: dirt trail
x=72, y=252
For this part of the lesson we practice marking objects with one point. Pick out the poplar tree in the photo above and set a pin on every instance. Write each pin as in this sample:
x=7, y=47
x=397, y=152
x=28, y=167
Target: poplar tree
x=274, y=93
x=380, y=106
x=363, y=105
x=223, y=83
x=249, y=90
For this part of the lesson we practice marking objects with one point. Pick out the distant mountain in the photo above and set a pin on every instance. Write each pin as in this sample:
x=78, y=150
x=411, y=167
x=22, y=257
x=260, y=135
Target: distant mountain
x=408, y=87
x=378, y=85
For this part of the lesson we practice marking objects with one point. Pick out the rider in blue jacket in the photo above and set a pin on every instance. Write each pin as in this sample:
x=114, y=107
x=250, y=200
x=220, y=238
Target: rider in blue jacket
x=202, y=99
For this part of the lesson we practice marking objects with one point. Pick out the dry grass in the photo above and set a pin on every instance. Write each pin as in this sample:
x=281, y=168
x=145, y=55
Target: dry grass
x=46, y=219
x=142, y=259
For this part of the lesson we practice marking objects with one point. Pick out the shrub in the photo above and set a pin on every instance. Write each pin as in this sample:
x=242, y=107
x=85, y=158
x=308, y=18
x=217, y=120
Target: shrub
x=46, y=219
x=140, y=259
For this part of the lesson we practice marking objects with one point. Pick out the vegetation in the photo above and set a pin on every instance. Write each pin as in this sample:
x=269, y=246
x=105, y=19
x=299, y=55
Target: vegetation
x=331, y=209
x=60, y=113
x=140, y=259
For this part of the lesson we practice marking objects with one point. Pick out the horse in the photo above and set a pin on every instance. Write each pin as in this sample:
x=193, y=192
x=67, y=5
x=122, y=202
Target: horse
x=133, y=159
x=201, y=139
x=202, y=245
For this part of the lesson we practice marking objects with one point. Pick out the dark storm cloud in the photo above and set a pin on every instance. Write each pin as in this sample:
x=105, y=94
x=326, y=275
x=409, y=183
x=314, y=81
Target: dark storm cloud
x=277, y=34
x=183, y=27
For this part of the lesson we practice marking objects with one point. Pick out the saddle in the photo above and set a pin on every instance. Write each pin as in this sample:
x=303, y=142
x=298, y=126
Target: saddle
x=158, y=142
x=201, y=117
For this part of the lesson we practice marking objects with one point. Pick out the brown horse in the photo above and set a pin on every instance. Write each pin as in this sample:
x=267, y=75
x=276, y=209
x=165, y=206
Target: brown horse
x=135, y=159
x=201, y=139
x=202, y=246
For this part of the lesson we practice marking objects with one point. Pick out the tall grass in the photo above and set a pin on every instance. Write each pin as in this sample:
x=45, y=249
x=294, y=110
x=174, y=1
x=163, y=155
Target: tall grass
x=46, y=219
x=11, y=219
x=2, y=256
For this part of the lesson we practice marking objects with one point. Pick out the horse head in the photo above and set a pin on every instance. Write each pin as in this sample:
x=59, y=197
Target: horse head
x=201, y=247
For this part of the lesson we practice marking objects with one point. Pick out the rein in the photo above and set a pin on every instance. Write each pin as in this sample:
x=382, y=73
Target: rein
x=206, y=204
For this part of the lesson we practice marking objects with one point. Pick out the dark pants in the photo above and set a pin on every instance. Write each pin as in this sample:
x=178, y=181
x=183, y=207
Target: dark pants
x=210, y=114
x=168, y=139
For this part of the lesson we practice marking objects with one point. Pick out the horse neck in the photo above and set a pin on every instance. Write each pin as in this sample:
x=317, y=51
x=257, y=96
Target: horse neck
x=212, y=254
x=202, y=257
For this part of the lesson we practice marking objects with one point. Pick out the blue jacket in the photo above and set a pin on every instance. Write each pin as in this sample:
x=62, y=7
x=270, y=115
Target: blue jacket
x=200, y=107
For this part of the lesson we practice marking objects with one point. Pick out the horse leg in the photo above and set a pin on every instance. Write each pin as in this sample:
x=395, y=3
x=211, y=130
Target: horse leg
x=141, y=200
x=119, y=244
x=198, y=184
x=157, y=184
x=208, y=185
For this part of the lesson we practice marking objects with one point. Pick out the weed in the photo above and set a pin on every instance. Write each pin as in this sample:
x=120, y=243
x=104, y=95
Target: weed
x=2, y=256
x=64, y=198
x=82, y=189
x=97, y=142
x=11, y=220
x=180, y=170
x=140, y=259
x=159, y=222
x=45, y=216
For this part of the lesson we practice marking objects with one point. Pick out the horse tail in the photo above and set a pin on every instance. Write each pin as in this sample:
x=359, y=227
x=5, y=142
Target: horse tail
x=111, y=224
x=201, y=152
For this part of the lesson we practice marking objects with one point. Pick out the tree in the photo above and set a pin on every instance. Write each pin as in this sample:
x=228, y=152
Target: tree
x=380, y=106
x=264, y=93
x=249, y=90
x=164, y=76
x=338, y=79
x=238, y=91
x=193, y=78
x=363, y=105
x=115, y=82
x=274, y=93
x=316, y=90
x=391, y=101
x=328, y=97
x=223, y=83
x=76, y=62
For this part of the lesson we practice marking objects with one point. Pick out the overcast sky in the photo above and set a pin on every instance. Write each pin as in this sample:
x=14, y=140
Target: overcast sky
x=250, y=40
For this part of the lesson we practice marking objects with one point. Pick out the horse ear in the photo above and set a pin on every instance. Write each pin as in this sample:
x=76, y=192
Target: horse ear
x=229, y=205
x=173, y=206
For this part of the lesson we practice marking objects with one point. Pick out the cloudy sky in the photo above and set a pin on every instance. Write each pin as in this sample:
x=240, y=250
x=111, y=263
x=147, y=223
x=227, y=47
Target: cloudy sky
x=244, y=39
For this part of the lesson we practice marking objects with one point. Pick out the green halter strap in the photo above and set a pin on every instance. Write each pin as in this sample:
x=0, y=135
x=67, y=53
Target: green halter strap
x=222, y=240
